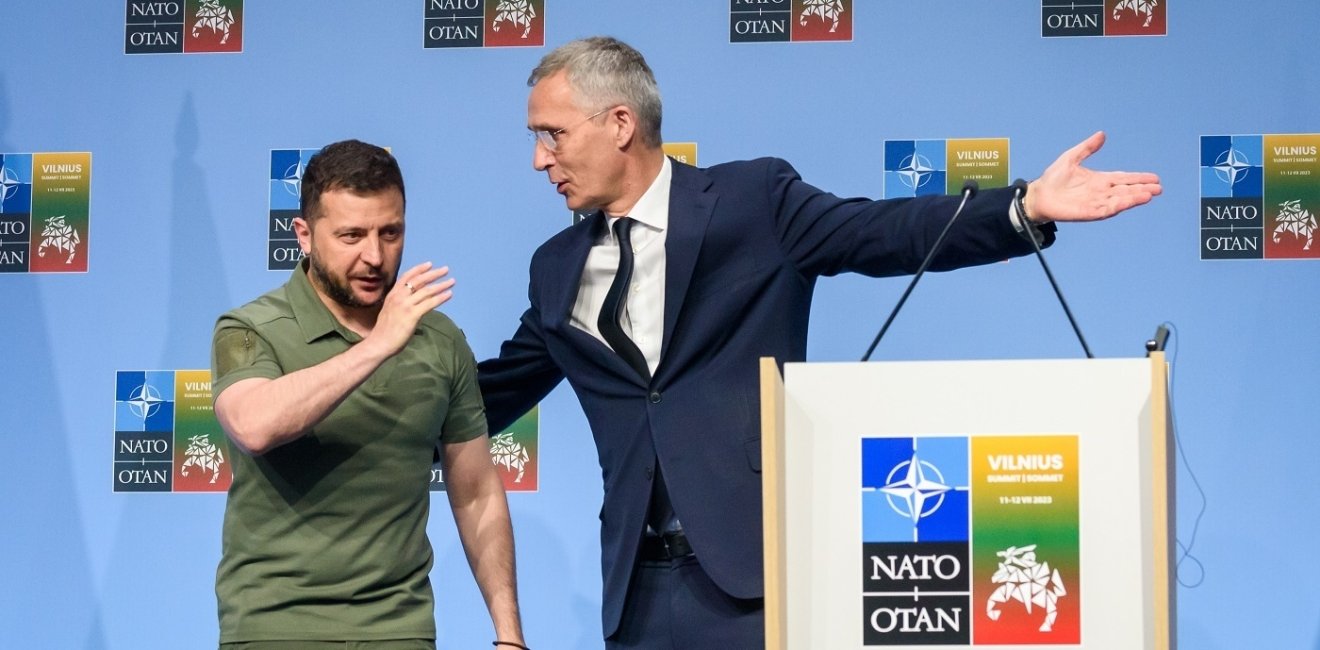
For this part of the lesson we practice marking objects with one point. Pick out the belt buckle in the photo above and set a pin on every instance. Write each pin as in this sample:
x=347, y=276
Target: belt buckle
x=676, y=545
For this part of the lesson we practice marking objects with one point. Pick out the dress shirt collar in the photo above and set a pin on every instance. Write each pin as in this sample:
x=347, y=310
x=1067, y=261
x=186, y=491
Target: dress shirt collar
x=652, y=209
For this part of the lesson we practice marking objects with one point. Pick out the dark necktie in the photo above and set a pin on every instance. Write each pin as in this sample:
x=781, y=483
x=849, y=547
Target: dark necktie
x=611, y=311
x=661, y=514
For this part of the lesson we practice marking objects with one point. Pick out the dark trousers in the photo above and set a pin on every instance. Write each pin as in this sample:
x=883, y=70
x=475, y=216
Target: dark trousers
x=673, y=605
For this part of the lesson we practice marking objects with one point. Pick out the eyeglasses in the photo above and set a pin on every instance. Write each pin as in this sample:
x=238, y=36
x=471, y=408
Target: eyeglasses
x=550, y=139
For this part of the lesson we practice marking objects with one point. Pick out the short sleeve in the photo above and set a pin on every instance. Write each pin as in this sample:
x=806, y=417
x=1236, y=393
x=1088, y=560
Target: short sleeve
x=238, y=352
x=466, y=418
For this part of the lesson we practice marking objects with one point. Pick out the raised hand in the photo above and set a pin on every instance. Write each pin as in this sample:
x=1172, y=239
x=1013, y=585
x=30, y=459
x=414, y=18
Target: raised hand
x=419, y=290
x=1067, y=191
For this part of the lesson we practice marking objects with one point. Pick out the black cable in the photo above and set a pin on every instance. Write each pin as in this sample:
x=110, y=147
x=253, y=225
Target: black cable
x=1185, y=551
x=1021, y=187
x=968, y=191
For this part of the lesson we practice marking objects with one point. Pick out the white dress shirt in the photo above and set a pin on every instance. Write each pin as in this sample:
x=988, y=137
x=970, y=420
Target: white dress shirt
x=644, y=311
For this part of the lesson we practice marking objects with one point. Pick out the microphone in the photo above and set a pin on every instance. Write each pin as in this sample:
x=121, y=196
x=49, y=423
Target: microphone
x=1019, y=191
x=1160, y=340
x=969, y=190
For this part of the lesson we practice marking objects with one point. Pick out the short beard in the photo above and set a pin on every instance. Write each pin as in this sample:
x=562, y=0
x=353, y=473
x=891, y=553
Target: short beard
x=338, y=291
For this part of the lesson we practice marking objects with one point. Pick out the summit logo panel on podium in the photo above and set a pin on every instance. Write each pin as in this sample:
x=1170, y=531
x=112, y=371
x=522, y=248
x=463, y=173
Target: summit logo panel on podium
x=970, y=541
x=483, y=23
x=778, y=21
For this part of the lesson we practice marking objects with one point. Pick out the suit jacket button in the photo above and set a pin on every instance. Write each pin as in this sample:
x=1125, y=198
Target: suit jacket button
x=655, y=397
x=649, y=472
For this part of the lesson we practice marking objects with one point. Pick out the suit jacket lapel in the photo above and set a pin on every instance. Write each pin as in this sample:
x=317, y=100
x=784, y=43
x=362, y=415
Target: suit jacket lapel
x=562, y=288
x=690, y=208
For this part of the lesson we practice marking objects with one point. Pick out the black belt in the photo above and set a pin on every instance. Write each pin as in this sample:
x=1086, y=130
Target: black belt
x=660, y=548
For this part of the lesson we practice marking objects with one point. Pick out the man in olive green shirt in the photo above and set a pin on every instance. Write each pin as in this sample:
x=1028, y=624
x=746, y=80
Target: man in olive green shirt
x=334, y=390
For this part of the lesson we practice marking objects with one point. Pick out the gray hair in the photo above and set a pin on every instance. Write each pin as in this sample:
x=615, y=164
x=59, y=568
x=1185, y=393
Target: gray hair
x=605, y=72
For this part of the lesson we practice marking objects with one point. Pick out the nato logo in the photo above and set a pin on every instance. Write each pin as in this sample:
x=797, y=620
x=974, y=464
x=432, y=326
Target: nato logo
x=15, y=211
x=915, y=572
x=15, y=183
x=915, y=489
x=915, y=168
x=285, y=191
x=144, y=401
x=1232, y=191
x=1231, y=166
x=144, y=430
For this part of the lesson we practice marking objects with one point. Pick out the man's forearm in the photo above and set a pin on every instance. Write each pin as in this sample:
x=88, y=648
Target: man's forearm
x=481, y=512
x=262, y=414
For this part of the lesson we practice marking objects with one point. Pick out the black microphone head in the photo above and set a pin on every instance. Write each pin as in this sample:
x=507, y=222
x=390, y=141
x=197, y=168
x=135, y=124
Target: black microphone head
x=970, y=188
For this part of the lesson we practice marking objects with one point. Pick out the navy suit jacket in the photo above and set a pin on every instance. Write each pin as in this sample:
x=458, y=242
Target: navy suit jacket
x=745, y=244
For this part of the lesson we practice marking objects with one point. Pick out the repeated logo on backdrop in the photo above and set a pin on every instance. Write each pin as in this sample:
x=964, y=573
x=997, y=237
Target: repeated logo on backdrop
x=1103, y=18
x=285, y=198
x=1260, y=195
x=45, y=208
x=938, y=167
x=970, y=540
x=166, y=436
x=183, y=26
x=772, y=21
x=483, y=23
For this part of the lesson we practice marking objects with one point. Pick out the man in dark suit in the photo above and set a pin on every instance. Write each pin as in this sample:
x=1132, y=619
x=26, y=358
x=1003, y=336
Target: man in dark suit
x=657, y=308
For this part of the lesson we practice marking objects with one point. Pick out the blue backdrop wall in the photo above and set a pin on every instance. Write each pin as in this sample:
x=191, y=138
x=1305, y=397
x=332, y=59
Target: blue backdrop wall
x=181, y=153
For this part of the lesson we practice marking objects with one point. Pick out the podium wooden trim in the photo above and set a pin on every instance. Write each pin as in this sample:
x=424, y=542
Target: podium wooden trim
x=772, y=485
x=1162, y=522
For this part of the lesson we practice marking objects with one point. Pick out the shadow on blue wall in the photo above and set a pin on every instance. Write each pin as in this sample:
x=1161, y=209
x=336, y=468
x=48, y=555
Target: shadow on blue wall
x=37, y=465
x=177, y=562
x=196, y=298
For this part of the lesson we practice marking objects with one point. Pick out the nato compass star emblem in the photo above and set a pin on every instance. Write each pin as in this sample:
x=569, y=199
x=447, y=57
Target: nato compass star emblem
x=145, y=401
x=915, y=488
x=8, y=183
x=293, y=179
x=1232, y=166
x=915, y=171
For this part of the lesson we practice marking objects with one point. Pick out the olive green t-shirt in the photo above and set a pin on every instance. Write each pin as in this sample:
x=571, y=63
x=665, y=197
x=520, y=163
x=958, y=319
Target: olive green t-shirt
x=325, y=537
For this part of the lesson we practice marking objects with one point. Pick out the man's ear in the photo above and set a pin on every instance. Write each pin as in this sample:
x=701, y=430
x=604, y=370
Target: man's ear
x=304, y=232
x=625, y=122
